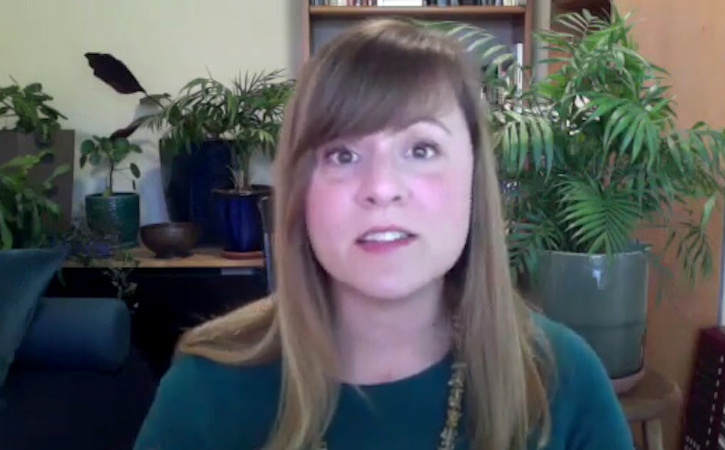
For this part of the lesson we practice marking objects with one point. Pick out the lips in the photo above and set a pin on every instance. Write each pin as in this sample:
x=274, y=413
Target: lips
x=383, y=235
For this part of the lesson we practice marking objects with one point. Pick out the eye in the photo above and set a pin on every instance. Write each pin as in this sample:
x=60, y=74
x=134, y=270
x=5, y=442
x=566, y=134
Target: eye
x=341, y=156
x=424, y=150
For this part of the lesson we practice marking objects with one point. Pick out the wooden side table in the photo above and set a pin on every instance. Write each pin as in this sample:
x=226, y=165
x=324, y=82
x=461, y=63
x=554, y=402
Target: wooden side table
x=647, y=402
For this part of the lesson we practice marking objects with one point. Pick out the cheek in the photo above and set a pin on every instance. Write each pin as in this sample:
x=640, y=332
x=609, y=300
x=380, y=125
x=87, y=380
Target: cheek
x=325, y=209
x=447, y=198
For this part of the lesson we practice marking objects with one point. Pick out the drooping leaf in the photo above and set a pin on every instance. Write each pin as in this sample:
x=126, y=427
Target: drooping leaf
x=113, y=72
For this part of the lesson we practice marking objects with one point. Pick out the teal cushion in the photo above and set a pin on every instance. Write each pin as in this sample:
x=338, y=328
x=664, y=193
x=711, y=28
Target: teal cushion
x=24, y=276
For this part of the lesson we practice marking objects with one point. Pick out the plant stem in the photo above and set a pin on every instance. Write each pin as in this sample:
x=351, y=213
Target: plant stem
x=246, y=161
x=110, y=178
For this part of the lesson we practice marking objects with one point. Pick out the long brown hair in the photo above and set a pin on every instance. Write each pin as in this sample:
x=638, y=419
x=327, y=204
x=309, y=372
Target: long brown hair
x=376, y=75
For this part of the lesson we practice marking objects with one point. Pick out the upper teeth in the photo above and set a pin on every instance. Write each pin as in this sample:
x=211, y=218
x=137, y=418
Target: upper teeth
x=385, y=236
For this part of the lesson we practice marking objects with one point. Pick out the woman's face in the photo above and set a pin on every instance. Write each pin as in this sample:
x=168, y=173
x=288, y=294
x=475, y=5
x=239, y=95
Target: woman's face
x=388, y=213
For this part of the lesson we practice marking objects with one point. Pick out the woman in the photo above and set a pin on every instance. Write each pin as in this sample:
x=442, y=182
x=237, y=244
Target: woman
x=394, y=324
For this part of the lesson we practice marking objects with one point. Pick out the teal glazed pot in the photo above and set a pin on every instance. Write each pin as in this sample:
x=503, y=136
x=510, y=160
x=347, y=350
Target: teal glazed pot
x=603, y=300
x=115, y=217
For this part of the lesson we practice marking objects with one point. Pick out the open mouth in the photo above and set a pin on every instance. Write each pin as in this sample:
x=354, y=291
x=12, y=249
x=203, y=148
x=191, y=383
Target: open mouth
x=383, y=237
x=383, y=240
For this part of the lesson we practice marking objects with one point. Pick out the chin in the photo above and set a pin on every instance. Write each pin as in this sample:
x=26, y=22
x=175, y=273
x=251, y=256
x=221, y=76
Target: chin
x=391, y=289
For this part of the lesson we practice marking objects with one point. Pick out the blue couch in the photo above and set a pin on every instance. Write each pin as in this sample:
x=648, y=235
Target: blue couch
x=76, y=382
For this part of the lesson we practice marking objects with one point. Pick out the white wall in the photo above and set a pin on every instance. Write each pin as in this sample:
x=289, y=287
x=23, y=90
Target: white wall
x=165, y=43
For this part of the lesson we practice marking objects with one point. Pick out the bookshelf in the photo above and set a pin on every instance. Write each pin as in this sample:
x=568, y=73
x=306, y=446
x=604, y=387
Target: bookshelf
x=423, y=11
x=511, y=24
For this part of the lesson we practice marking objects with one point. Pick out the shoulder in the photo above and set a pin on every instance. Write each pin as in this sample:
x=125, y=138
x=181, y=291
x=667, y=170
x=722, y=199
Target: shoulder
x=204, y=375
x=576, y=365
x=570, y=351
x=584, y=407
x=201, y=403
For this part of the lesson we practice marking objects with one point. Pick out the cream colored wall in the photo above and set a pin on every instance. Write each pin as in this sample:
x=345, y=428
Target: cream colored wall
x=165, y=43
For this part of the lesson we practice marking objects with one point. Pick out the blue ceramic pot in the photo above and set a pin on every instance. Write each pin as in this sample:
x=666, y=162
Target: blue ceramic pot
x=241, y=220
x=190, y=178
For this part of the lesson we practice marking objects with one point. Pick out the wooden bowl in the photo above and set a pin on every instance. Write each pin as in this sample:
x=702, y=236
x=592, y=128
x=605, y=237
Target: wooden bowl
x=170, y=239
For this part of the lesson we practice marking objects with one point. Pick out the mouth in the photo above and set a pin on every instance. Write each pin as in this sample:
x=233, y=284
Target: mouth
x=385, y=235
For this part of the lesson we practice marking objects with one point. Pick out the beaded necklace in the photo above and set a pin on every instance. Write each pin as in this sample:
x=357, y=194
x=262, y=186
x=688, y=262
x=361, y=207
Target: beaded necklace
x=455, y=399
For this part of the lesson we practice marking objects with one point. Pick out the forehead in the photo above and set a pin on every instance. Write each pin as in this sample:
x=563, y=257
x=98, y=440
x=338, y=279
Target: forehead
x=389, y=110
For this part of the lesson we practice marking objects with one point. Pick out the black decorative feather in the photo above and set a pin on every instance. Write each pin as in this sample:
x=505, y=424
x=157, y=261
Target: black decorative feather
x=114, y=73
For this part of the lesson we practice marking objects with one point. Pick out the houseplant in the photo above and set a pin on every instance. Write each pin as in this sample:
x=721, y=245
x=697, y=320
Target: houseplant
x=115, y=216
x=26, y=211
x=29, y=125
x=212, y=131
x=113, y=213
x=594, y=154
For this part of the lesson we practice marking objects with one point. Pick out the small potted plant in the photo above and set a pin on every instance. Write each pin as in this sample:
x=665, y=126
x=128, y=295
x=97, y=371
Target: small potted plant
x=113, y=213
x=115, y=216
x=592, y=154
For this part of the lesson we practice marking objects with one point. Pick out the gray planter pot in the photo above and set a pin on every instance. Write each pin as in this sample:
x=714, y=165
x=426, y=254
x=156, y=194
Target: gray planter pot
x=604, y=301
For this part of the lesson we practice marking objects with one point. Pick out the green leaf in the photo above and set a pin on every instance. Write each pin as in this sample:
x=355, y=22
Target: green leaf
x=616, y=124
x=537, y=144
x=707, y=210
x=135, y=170
x=636, y=130
x=95, y=159
x=59, y=171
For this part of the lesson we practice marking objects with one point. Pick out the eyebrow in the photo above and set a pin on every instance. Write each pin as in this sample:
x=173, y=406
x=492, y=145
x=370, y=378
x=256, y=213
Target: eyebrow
x=426, y=119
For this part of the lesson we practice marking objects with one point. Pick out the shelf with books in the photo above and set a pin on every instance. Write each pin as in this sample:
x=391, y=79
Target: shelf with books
x=511, y=24
x=416, y=11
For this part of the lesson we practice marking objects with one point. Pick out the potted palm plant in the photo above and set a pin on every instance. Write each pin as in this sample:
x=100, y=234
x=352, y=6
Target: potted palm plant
x=590, y=155
x=212, y=131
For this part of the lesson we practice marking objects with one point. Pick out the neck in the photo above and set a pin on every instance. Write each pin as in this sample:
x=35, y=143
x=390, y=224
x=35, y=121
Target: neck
x=383, y=340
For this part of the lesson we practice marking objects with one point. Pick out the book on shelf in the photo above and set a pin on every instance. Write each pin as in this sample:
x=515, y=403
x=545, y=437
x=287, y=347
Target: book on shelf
x=417, y=3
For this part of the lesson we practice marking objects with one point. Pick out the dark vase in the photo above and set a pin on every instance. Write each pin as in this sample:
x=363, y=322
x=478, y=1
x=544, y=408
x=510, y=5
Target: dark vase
x=115, y=217
x=190, y=179
x=241, y=218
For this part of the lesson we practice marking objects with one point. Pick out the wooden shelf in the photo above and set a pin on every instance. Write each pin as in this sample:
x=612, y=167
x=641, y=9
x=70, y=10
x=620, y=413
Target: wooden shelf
x=202, y=258
x=419, y=11
x=320, y=24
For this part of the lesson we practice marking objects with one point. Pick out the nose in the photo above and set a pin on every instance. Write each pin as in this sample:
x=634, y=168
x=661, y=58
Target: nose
x=382, y=184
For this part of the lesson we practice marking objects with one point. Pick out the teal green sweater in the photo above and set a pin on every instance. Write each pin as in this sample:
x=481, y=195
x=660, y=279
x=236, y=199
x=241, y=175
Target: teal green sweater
x=201, y=405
